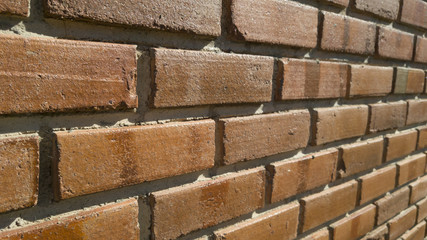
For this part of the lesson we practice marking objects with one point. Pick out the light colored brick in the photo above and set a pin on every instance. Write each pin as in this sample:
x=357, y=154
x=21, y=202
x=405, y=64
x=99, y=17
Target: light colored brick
x=416, y=233
x=322, y=234
x=421, y=50
x=380, y=233
x=392, y=204
x=400, y=145
x=356, y=224
x=414, y=13
x=395, y=44
x=404, y=221
x=422, y=138
x=370, y=81
x=385, y=116
x=388, y=9
x=418, y=189
x=409, y=80
x=417, y=111
x=411, y=168
x=377, y=183
x=422, y=209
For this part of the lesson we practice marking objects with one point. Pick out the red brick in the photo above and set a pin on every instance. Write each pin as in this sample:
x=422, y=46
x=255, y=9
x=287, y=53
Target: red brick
x=112, y=221
x=400, y=145
x=392, y=204
x=422, y=138
x=355, y=225
x=278, y=224
x=361, y=156
x=380, y=233
x=322, y=234
x=409, y=80
x=189, y=78
x=421, y=50
x=414, y=13
x=296, y=176
x=258, y=21
x=416, y=233
x=385, y=116
x=247, y=138
x=15, y=7
x=346, y=34
x=327, y=205
x=315, y=79
x=417, y=111
x=377, y=183
x=19, y=173
x=422, y=209
x=194, y=16
x=47, y=75
x=418, y=189
x=411, y=168
x=404, y=221
x=370, y=81
x=388, y=9
x=395, y=44
x=89, y=161
x=343, y=3
x=332, y=124
x=180, y=210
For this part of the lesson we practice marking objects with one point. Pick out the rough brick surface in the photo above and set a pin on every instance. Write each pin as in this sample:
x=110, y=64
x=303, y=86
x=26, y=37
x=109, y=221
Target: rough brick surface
x=422, y=138
x=395, y=44
x=384, y=116
x=47, y=75
x=414, y=13
x=377, y=183
x=246, y=138
x=380, y=233
x=422, y=209
x=322, y=234
x=409, y=80
x=416, y=233
x=90, y=161
x=355, y=225
x=421, y=50
x=411, y=168
x=418, y=189
x=15, y=7
x=392, y=204
x=370, y=81
x=180, y=210
x=388, y=9
x=417, y=111
x=404, y=221
x=400, y=145
x=343, y=3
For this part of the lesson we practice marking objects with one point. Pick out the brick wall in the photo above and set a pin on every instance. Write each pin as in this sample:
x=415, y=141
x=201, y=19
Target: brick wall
x=213, y=119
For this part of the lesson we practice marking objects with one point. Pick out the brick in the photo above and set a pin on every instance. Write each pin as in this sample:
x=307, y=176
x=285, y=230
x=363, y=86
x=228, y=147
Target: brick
x=316, y=80
x=395, y=44
x=416, y=233
x=278, y=224
x=19, y=173
x=417, y=111
x=422, y=210
x=388, y=9
x=257, y=21
x=88, y=161
x=400, y=145
x=385, y=116
x=377, y=183
x=418, y=189
x=347, y=34
x=370, y=81
x=47, y=75
x=209, y=202
x=190, y=78
x=343, y=3
x=422, y=138
x=404, y=221
x=194, y=16
x=112, y=221
x=327, y=205
x=361, y=156
x=322, y=234
x=421, y=50
x=15, y=7
x=409, y=80
x=247, y=138
x=332, y=124
x=380, y=233
x=411, y=168
x=297, y=176
x=392, y=204
x=414, y=13
x=355, y=225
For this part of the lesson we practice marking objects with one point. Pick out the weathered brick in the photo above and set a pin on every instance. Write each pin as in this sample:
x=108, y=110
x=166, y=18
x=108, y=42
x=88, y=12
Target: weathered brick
x=277, y=224
x=411, y=168
x=385, y=116
x=112, y=221
x=343, y=3
x=89, y=161
x=257, y=21
x=361, y=156
x=15, y=7
x=183, y=209
x=422, y=138
x=327, y=205
x=404, y=221
x=400, y=145
x=417, y=111
x=247, y=138
x=189, y=78
x=308, y=79
x=346, y=34
x=370, y=81
x=19, y=173
x=409, y=80
x=332, y=124
x=422, y=209
x=322, y=234
x=414, y=13
x=421, y=50
x=355, y=225
x=392, y=204
x=395, y=44
x=296, y=176
x=380, y=233
x=418, y=189
x=377, y=183
x=194, y=16
x=388, y=9
x=416, y=233
x=48, y=75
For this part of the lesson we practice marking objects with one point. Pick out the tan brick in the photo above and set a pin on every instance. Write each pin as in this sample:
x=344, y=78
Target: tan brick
x=180, y=210
x=377, y=183
x=380, y=233
x=296, y=176
x=189, y=78
x=277, y=224
x=388, y=9
x=395, y=44
x=355, y=225
x=19, y=173
x=47, y=75
x=315, y=79
x=370, y=81
x=346, y=34
x=247, y=138
x=417, y=111
x=112, y=221
x=343, y=3
x=15, y=7
x=416, y=233
x=422, y=138
x=404, y=221
x=392, y=204
x=421, y=50
x=258, y=21
x=385, y=116
x=422, y=209
x=411, y=168
x=418, y=189
x=414, y=13
x=409, y=80
x=400, y=145
x=332, y=124
x=89, y=161
x=327, y=205
x=322, y=234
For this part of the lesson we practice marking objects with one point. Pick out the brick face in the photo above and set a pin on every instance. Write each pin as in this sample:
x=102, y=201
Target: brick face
x=418, y=232
x=384, y=116
x=395, y=44
x=398, y=225
x=422, y=138
x=15, y=7
x=409, y=81
x=417, y=111
x=380, y=233
x=377, y=183
x=400, y=145
x=388, y=9
x=322, y=234
x=414, y=13
x=356, y=225
x=370, y=81
x=392, y=204
x=421, y=50
x=418, y=189
x=422, y=209
x=411, y=168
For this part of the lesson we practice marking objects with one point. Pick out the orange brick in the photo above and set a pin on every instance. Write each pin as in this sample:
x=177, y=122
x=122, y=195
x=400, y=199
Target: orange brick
x=380, y=233
x=388, y=9
x=355, y=225
x=89, y=161
x=409, y=80
x=385, y=116
x=112, y=221
x=377, y=183
x=247, y=138
x=322, y=234
x=422, y=209
x=417, y=111
x=400, y=145
x=180, y=210
x=418, y=189
x=421, y=50
x=414, y=13
x=422, y=138
x=370, y=81
x=404, y=221
x=19, y=173
x=392, y=204
x=416, y=233
x=395, y=44
x=15, y=7
x=296, y=176
x=327, y=205
x=411, y=168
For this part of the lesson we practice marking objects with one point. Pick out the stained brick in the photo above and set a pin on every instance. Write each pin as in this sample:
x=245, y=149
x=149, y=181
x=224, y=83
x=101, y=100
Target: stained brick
x=422, y=209
x=355, y=225
x=418, y=189
x=421, y=50
x=388, y=9
x=400, y=145
x=377, y=183
x=370, y=81
x=395, y=44
x=384, y=116
x=404, y=221
x=392, y=204
x=414, y=13
x=15, y=7
x=416, y=233
x=409, y=80
x=411, y=168
x=417, y=111
x=322, y=234
x=380, y=233
x=422, y=138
